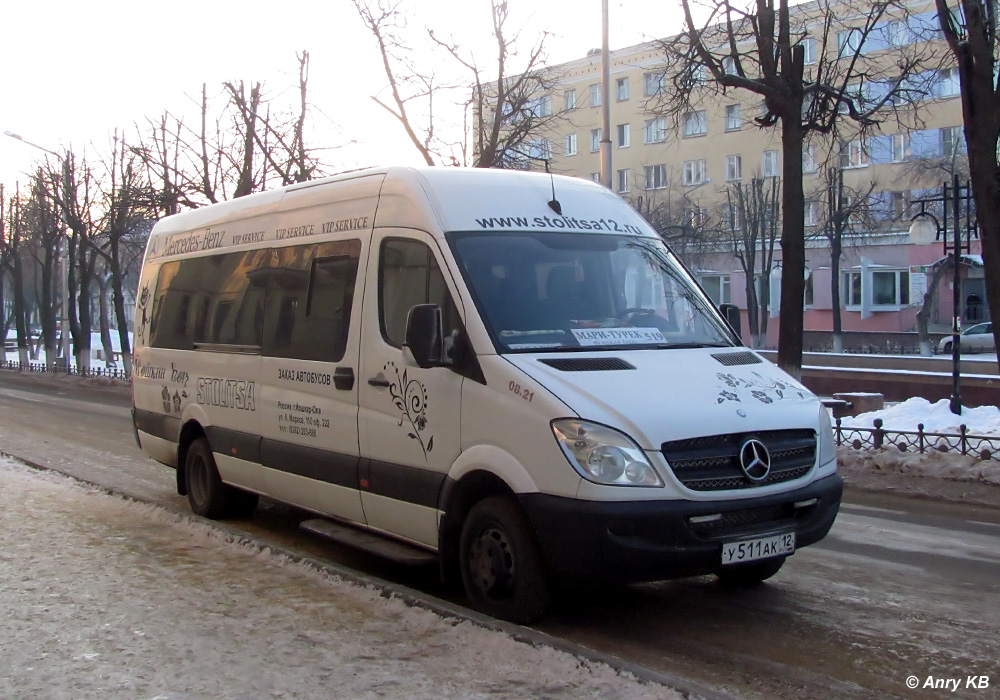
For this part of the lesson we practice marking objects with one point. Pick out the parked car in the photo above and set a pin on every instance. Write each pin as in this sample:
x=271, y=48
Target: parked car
x=977, y=338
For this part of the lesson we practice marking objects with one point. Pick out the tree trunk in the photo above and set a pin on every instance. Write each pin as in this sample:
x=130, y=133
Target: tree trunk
x=117, y=286
x=793, y=252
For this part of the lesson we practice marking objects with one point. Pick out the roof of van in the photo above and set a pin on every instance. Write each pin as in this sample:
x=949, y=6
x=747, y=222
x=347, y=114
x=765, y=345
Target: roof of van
x=435, y=199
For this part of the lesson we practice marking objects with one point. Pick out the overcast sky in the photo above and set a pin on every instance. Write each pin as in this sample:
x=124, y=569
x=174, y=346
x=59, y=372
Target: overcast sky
x=73, y=72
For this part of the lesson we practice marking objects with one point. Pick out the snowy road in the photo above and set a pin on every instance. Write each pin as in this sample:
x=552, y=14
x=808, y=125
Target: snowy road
x=900, y=588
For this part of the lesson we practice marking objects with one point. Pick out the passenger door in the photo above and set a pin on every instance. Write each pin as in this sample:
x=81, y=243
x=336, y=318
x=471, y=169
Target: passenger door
x=410, y=417
x=309, y=372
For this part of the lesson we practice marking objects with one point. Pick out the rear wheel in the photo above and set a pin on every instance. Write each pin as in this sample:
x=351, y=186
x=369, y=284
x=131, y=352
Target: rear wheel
x=501, y=563
x=207, y=495
x=746, y=575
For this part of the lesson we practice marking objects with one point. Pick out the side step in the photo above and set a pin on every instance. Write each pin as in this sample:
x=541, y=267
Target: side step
x=390, y=549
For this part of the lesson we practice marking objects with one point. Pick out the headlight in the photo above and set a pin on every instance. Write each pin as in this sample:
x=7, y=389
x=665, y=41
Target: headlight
x=604, y=455
x=827, y=444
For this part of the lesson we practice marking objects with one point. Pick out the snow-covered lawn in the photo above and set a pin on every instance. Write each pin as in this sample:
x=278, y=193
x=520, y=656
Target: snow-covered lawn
x=105, y=598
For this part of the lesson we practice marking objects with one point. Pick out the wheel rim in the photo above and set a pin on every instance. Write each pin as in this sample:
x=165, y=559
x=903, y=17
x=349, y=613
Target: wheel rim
x=492, y=563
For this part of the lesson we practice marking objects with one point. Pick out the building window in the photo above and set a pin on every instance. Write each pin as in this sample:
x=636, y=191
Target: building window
x=848, y=42
x=596, y=177
x=621, y=89
x=656, y=177
x=654, y=83
x=571, y=144
x=891, y=288
x=899, y=202
x=624, y=136
x=541, y=106
x=733, y=217
x=540, y=149
x=812, y=213
x=948, y=83
x=569, y=100
x=695, y=171
x=734, y=168
x=952, y=141
x=888, y=288
x=850, y=288
x=900, y=145
x=729, y=65
x=595, y=95
x=623, y=181
x=655, y=130
x=809, y=164
x=898, y=33
x=809, y=46
x=595, y=140
x=695, y=124
x=853, y=154
x=697, y=218
x=734, y=117
x=770, y=164
x=717, y=288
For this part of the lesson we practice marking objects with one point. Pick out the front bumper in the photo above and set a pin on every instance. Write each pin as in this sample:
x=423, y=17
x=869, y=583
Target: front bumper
x=629, y=541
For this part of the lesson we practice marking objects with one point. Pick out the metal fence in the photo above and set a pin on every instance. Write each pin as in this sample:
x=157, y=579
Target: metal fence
x=42, y=368
x=920, y=440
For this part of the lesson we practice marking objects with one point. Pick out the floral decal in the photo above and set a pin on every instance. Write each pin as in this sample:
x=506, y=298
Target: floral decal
x=409, y=396
x=141, y=304
x=760, y=388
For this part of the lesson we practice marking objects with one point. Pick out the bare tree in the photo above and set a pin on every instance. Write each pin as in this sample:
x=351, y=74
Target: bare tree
x=508, y=108
x=751, y=236
x=847, y=214
x=44, y=226
x=971, y=35
x=129, y=212
x=10, y=243
x=763, y=51
x=243, y=143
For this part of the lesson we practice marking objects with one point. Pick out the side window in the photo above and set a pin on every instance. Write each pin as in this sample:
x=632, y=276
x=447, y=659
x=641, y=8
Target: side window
x=217, y=299
x=309, y=301
x=409, y=275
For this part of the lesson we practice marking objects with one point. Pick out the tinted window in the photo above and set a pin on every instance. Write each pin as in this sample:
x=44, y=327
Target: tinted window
x=214, y=299
x=409, y=275
x=309, y=301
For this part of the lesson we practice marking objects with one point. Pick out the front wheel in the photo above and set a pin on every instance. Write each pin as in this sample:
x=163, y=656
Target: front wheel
x=207, y=495
x=746, y=575
x=946, y=349
x=501, y=563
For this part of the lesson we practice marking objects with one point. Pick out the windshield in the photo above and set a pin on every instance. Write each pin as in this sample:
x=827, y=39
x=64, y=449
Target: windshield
x=559, y=291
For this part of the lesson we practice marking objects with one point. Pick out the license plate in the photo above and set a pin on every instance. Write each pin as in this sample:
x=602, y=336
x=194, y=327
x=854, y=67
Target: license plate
x=760, y=548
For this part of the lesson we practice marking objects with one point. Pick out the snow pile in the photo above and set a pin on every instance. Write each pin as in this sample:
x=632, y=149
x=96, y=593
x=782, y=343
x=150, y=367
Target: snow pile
x=892, y=469
x=935, y=417
x=102, y=597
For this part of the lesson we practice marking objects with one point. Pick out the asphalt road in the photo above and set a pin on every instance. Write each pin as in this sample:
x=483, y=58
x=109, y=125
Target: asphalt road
x=900, y=588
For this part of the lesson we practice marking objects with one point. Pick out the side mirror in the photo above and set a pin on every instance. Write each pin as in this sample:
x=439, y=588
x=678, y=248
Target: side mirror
x=731, y=312
x=423, y=335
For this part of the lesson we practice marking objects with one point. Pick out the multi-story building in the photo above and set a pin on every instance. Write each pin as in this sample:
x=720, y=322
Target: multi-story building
x=682, y=171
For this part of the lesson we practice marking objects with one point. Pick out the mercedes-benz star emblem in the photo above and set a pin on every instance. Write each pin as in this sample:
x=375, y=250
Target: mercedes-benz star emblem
x=755, y=460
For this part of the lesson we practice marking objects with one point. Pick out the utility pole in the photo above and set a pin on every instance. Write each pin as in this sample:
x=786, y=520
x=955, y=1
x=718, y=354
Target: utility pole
x=605, y=99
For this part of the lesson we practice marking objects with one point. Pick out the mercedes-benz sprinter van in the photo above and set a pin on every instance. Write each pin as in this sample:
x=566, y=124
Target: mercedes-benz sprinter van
x=507, y=372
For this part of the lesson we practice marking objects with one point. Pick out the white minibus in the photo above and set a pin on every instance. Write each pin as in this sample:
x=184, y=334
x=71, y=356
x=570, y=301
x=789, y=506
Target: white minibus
x=508, y=373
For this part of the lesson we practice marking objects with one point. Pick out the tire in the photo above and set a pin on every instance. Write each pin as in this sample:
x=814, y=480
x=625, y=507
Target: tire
x=501, y=563
x=748, y=575
x=207, y=495
x=946, y=350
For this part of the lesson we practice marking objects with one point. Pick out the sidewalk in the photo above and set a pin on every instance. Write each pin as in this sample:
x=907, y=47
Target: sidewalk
x=106, y=598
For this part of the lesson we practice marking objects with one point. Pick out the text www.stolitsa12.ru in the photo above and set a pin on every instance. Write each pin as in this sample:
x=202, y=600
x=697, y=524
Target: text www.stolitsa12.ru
x=557, y=223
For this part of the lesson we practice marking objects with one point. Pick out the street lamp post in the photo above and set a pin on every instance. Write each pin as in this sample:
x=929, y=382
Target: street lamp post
x=62, y=253
x=923, y=226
